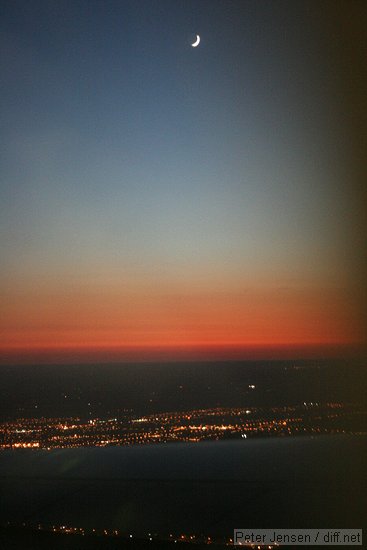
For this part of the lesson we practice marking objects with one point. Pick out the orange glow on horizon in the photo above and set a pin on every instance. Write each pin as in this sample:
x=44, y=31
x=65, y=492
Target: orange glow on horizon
x=41, y=325
x=197, y=352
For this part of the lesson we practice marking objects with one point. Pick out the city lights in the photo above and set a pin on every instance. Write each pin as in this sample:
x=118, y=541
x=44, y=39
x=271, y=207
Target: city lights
x=177, y=426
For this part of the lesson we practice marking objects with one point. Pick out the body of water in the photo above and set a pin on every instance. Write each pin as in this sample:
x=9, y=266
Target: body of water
x=208, y=487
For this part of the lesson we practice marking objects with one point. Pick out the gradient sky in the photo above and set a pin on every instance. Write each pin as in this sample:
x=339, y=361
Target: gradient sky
x=158, y=198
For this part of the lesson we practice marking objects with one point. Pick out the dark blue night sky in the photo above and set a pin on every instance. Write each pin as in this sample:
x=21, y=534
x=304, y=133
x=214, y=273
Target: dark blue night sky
x=158, y=194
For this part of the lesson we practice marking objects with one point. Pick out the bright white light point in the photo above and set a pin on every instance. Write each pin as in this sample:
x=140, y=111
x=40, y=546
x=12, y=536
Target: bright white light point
x=197, y=42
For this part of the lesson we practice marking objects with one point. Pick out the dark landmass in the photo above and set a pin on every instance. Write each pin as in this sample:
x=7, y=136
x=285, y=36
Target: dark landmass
x=25, y=538
x=293, y=481
x=104, y=391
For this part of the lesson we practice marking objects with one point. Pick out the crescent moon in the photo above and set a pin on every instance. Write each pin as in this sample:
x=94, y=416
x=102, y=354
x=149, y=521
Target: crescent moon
x=197, y=41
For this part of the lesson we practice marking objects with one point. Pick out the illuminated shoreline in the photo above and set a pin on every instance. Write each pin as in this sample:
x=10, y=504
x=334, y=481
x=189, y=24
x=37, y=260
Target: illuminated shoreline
x=191, y=426
x=180, y=538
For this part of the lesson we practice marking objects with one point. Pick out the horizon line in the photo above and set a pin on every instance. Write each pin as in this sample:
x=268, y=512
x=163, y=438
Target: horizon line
x=176, y=354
